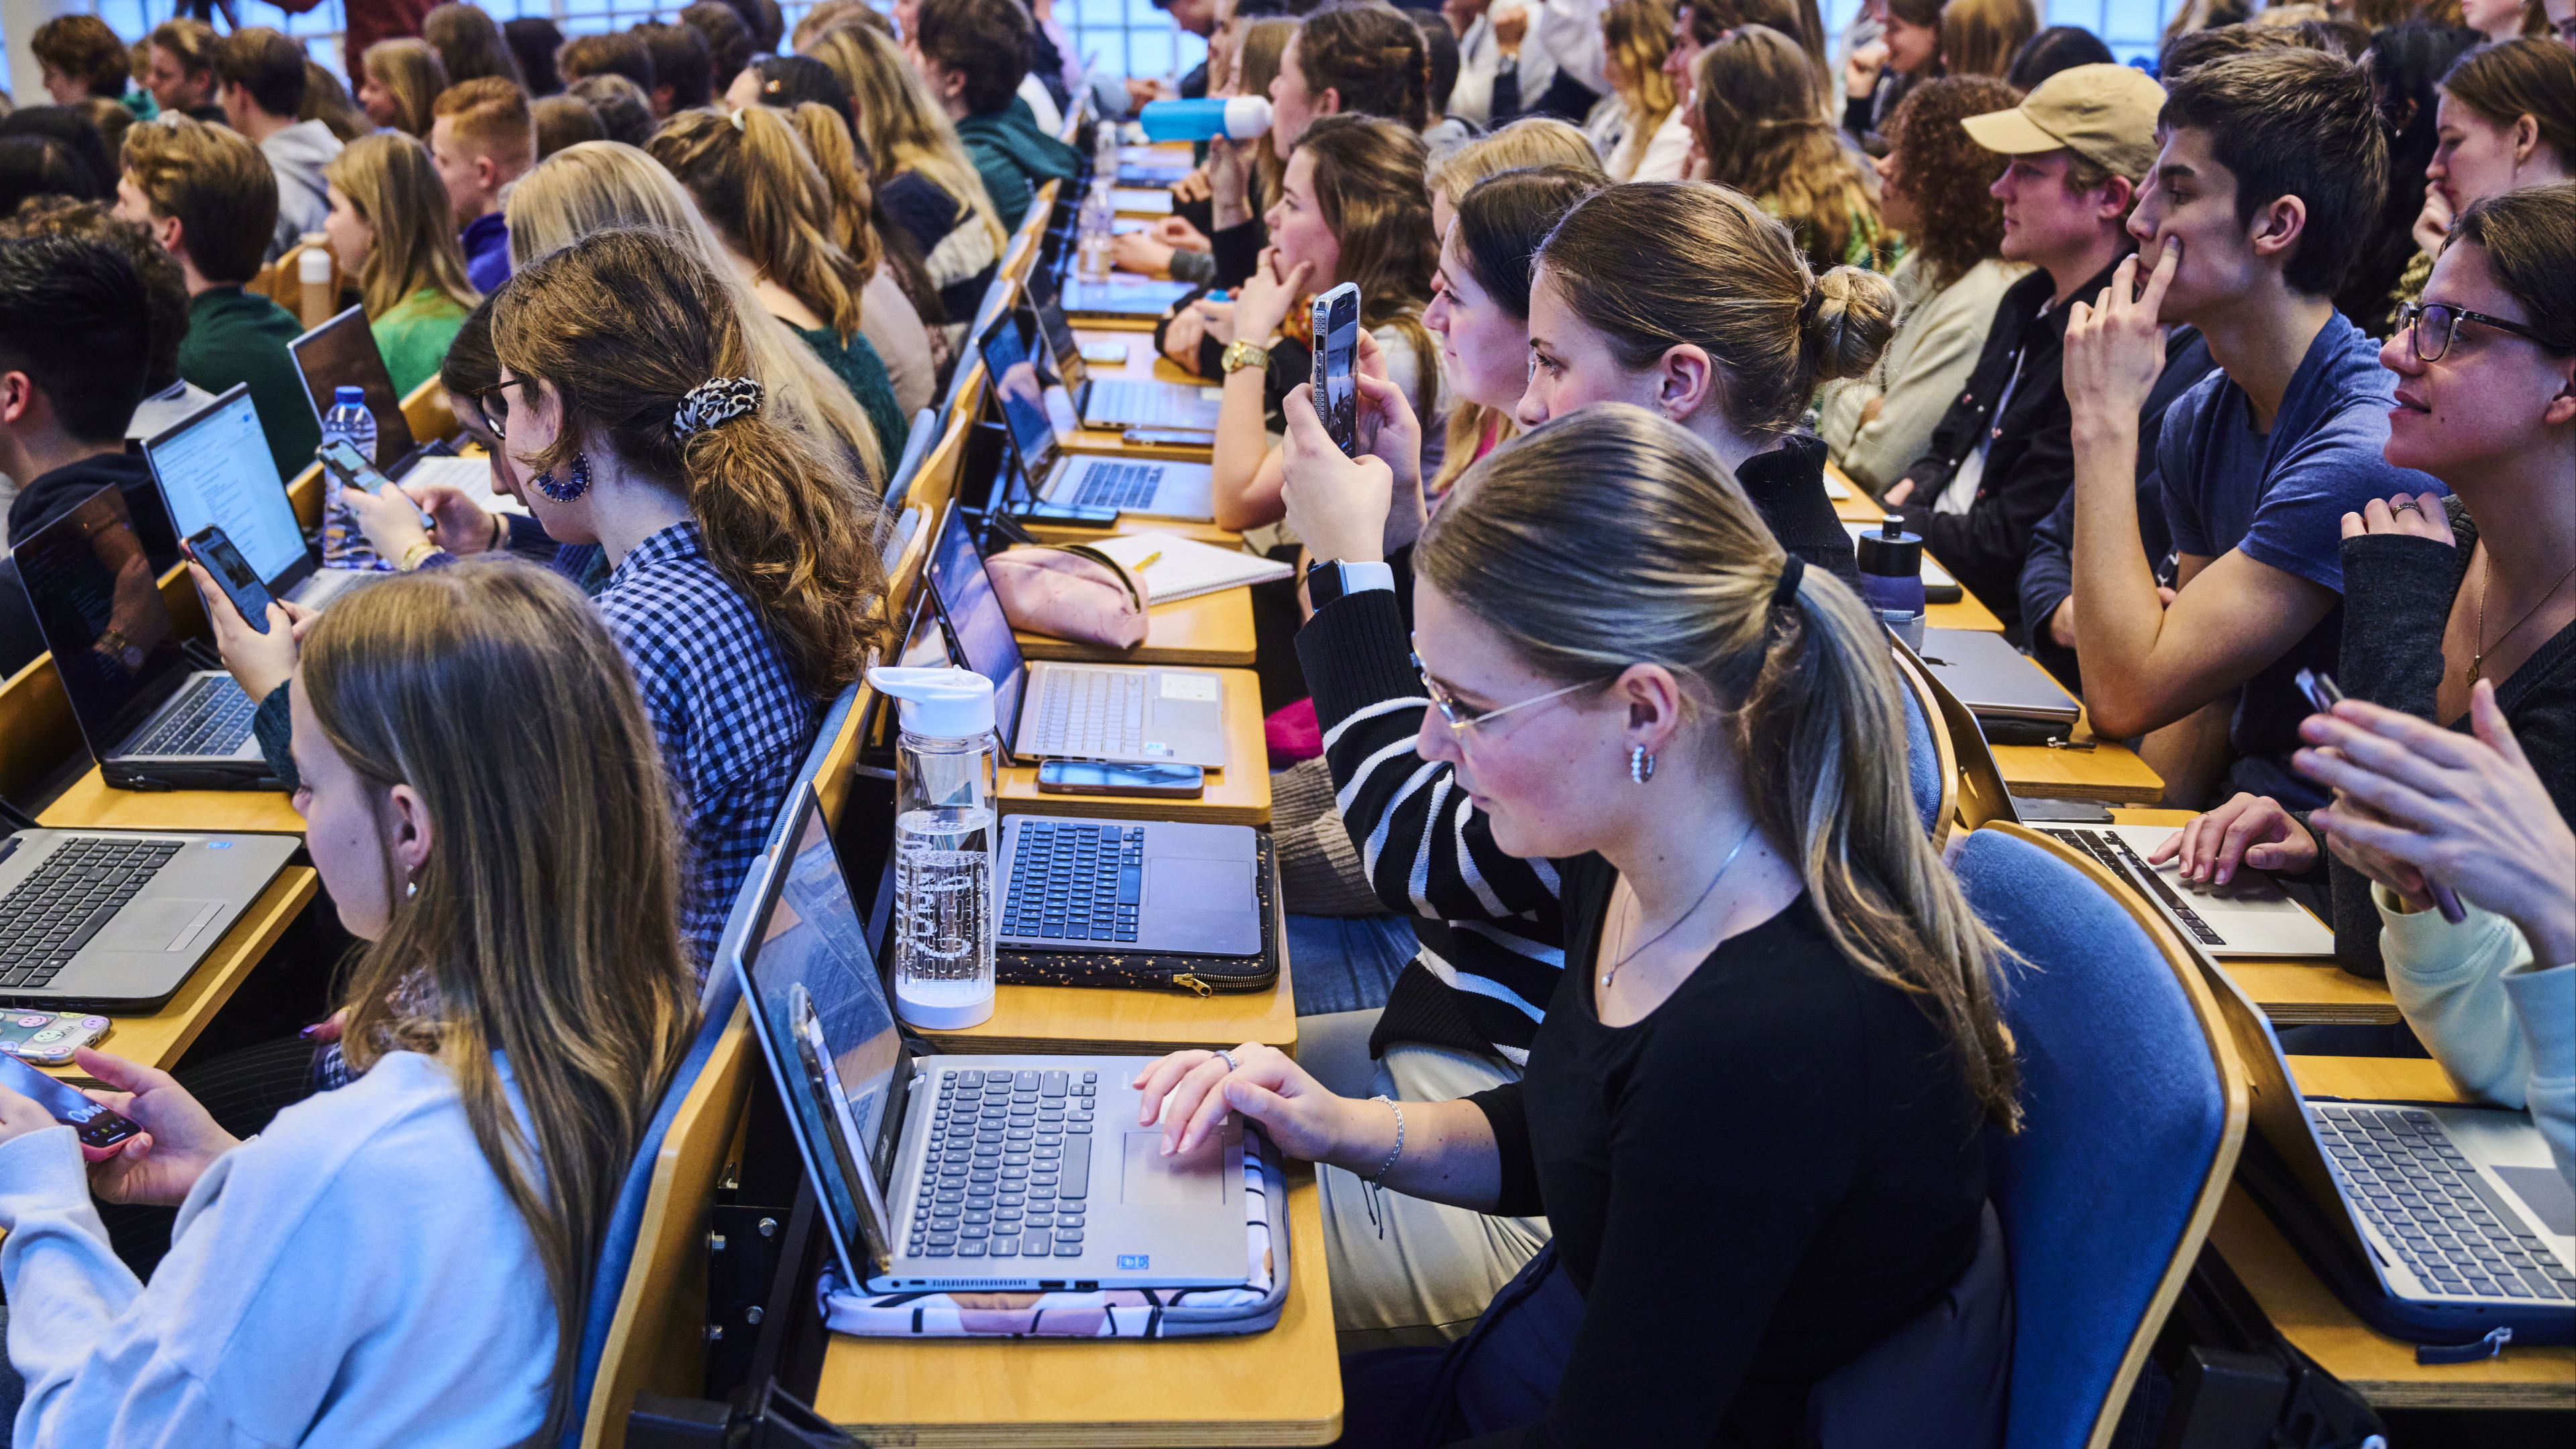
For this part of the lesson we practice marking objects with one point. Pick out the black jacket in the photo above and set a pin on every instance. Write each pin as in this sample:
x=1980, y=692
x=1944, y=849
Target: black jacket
x=2031, y=460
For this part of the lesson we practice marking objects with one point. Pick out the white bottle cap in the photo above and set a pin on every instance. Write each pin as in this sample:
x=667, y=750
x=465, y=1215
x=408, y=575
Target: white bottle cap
x=939, y=703
x=313, y=267
x=1246, y=117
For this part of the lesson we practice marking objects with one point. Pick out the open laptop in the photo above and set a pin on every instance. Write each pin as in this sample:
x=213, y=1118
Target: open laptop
x=1015, y=356
x=151, y=719
x=343, y=353
x=2458, y=1211
x=214, y=467
x=1122, y=298
x=1116, y=402
x=2004, y=688
x=1006, y=1174
x=114, y=920
x=2248, y=916
x=1048, y=709
x=1156, y=886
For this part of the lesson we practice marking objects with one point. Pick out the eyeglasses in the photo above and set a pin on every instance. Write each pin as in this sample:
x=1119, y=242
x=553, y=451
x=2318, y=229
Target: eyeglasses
x=1461, y=719
x=2432, y=327
x=494, y=403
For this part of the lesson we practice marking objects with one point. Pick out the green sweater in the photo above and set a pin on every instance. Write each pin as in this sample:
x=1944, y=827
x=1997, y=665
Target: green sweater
x=1015, y=158
x=414, y=335
x=864, y=374
x=234, y=336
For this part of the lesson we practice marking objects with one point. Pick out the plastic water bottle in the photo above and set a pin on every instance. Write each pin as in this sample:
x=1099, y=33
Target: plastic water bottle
x=1096, y=229
x=1238, y=118
x=344, y=543
x=946, y=773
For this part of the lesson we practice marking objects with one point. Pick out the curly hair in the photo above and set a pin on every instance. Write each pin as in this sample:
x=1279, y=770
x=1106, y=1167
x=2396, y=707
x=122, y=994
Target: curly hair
x=1956, y=224
x=1760, y=119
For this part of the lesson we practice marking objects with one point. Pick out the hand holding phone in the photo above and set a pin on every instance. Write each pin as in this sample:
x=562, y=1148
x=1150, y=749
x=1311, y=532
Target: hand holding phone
x=102, y=1132
x=1336, y=320
x=2325, y=694
x=214, y=550
x=343, y=460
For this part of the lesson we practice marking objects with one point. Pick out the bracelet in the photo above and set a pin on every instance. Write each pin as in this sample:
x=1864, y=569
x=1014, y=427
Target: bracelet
x=413, y=555
x=1394, y=1152
x=500, y=533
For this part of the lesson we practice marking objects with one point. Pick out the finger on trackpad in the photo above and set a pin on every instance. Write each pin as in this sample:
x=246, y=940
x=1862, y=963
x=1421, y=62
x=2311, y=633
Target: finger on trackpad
x=1184, y=1179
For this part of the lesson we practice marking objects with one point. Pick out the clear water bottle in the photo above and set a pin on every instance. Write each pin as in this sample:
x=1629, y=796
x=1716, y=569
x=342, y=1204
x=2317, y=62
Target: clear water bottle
x=344, y=543
x=1097, y=230
x=945, y=833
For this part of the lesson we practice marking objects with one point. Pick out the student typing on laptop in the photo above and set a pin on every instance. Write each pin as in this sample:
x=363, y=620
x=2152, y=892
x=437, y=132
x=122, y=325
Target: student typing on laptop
x=383, y=1264
x=1659, y=762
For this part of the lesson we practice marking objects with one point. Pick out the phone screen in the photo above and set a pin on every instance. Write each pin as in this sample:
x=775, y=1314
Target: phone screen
x=342, y=457
x=98, y=1127
x=233, y=574
x=1337, y=346
x=1106, y=775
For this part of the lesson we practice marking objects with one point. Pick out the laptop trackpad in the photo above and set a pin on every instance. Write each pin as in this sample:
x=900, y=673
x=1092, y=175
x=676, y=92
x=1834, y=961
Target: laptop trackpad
x=2544, y=1192
x=157, y=925
x=1190, y=1179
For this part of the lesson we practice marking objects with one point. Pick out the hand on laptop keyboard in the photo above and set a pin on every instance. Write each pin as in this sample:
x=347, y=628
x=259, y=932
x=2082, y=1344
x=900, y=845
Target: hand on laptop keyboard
x=2251, y=830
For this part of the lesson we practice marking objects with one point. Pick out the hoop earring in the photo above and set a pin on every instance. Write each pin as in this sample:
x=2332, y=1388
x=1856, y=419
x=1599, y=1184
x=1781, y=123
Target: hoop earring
x=1641, y=766
x=562, y=492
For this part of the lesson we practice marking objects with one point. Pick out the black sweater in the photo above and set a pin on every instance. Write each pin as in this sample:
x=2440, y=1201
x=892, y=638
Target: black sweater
x=1772, y=1171
x=2398, y=592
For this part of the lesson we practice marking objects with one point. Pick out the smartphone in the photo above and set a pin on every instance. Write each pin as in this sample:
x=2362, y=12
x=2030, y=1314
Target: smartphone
x=233, y=574
x=1337, y=351
x=101, y=1131
x=1104, y=353
x=1168, y=438
x=351, y=467
x=1068, y=513
x=2325, y=694
x=48, y=1036
x=1104, y=777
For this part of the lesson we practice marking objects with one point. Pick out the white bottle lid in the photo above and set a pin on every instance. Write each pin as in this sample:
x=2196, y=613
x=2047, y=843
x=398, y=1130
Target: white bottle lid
x=939, y=703
x=313, y=266
x=1246, y=117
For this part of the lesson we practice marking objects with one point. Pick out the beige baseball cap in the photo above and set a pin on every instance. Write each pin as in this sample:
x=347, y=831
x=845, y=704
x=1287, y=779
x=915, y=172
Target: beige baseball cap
x=2104, y=113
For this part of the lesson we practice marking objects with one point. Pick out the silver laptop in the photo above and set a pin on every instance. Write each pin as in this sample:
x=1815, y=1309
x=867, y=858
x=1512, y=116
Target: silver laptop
x=2454, y=1208
x=2248, y=916
x=980, y=1173
x=151, y=718
x=214, y=467
x=1046, y=709
x=1015, y=354
x=1156, y=886
x=1999, y=684
x=1117, y=402
x=114, y=920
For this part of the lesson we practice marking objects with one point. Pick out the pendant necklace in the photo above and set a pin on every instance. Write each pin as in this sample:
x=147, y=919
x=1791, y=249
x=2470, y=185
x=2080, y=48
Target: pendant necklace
x=1740, y=842
x=2486, y=580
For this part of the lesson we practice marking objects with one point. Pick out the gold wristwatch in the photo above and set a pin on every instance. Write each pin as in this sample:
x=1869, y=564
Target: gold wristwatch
x=1240, y=355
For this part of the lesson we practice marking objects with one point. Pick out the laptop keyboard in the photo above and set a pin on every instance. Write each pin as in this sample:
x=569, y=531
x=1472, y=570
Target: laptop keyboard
x=212, y=718
x=1089, y=713
x=1119, y=485
x=1146, y=405
x=1008, y=1169
x=1075, y=882
x=48, y=917
x=2117, y=858
x=2430, y=1205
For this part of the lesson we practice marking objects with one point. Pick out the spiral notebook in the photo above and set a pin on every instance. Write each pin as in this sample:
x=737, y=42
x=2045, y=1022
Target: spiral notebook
x=1174, y=567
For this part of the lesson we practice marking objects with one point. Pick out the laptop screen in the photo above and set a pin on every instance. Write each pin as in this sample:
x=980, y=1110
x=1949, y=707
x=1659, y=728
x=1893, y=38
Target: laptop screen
x=1047, y=298
x=342, y=353
x=827, y=1025
x=1013, y=355
x=101, y=612
x=215, y=468
x=965, y=594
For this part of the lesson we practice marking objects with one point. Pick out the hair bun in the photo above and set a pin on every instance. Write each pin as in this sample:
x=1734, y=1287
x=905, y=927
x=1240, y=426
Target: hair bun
x=1846, y=322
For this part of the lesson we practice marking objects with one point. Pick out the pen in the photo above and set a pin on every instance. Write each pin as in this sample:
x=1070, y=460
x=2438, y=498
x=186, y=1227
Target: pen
x=2070, y=744
x=1147, y=561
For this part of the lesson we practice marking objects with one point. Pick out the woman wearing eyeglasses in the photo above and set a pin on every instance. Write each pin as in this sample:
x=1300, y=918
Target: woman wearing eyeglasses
x=2440, y=594
x=1752, y=1114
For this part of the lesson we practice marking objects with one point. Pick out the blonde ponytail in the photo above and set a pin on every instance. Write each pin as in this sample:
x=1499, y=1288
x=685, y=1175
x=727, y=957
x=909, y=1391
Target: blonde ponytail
x=845, y=182
x=757, y=183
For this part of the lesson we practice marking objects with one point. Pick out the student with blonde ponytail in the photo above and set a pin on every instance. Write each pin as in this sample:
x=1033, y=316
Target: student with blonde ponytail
x=407, y=1260
x=756, y=182
x=1677, y=749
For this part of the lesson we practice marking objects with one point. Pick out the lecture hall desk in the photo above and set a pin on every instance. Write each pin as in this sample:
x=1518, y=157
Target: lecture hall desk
x=2381, y=1369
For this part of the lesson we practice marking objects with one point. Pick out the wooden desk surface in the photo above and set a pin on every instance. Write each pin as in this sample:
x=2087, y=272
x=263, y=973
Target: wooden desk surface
x=2109, y=772
x=1143, y=364
x=2294, y=990
x=2382, y=1369
x=1238, y=794
x=161, y=1038
x=91, y=802
x=1211, y=629
x=1280, y=1387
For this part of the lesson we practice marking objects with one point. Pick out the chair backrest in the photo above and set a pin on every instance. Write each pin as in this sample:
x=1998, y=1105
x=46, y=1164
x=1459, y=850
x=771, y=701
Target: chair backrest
x=1931, y=768
x=629, y=1340
x=2134, y=1108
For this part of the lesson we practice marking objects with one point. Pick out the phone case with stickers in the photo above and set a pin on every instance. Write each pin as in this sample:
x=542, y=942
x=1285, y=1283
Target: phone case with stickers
x=48, y=1037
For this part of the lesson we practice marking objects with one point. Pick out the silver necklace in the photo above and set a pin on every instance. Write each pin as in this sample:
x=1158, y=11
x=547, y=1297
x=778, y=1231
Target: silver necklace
x=1740, y=842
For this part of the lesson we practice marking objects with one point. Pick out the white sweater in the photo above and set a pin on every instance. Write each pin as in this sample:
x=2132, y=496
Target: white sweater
x=1940, y=335
x=2500, y=1024
x=353, y=1275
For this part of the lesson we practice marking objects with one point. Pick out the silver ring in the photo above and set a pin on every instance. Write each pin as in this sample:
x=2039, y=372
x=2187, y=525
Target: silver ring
x=1231, y=1065
x=2409, y=506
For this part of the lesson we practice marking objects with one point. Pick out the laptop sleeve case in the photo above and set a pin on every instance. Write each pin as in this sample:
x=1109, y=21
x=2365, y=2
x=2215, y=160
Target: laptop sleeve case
x=1197, y=975
x=1252, y=1306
